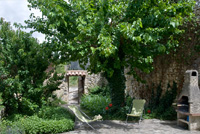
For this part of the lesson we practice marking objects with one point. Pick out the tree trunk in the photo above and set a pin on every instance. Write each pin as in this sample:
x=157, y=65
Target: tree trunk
x=117, y=88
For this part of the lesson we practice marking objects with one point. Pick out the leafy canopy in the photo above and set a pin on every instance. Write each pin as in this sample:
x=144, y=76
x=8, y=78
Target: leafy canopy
x=111, y=34
x=23, y=62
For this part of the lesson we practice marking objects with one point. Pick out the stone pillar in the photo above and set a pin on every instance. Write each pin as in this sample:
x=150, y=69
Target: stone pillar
x=81, y=81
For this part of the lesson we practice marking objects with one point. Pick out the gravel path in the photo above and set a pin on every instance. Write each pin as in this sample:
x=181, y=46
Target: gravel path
x=148, y=126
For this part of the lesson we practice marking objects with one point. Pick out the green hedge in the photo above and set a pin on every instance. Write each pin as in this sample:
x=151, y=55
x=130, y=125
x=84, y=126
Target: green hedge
x=104, y=91
x=95, y=104
x=36, y=125
x=49, y=120
x=55, y=113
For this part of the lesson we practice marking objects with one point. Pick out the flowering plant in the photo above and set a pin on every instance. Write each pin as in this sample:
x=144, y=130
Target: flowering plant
x=149, y=111
x=110, y=105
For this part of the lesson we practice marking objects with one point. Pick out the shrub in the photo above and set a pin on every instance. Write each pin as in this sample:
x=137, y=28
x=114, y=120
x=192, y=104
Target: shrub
x=120, y=114
x=36, y=125
x=49, y=120
x=2, y=128
x=129, y=101
x=23, y=64
x=56, y=113
x=161, y=106
x=60, y=69
x=95, y=104
x=168, y=114
x=55, y=101
x=98, y=104
x=104, y=91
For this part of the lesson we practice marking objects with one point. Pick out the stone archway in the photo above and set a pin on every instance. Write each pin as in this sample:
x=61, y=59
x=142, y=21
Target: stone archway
x=81, y=82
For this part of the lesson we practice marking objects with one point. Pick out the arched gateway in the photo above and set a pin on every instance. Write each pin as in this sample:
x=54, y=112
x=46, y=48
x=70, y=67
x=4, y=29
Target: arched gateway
x=81, y=81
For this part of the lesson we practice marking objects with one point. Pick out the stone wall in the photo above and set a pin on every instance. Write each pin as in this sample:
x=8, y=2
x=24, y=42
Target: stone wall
x=91, y=80
x=166, y=71
x=63, y=92
x=94, y=80
x=168, y=68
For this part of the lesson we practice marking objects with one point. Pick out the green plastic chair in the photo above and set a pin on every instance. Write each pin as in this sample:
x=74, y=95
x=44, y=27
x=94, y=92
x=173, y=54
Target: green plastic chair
x=137, y=109
x=83, y=117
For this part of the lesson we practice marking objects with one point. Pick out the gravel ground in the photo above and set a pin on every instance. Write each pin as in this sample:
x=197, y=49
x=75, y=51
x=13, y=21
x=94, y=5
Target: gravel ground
x=148, y=126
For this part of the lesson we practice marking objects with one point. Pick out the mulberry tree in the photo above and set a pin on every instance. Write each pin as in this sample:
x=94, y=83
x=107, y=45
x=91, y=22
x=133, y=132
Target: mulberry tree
x=111, y=34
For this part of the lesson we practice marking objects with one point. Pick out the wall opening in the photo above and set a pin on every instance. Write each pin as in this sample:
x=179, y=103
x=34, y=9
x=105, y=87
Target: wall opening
x=183, y=104
x=73, y=90
x=194, y=73
x=76, y=83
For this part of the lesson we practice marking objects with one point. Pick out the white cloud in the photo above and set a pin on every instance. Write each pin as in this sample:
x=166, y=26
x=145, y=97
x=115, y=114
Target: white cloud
x=17, y=11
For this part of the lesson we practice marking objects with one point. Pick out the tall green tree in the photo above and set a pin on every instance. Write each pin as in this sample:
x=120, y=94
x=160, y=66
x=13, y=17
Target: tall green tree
x=23, y=62
x=111, y=34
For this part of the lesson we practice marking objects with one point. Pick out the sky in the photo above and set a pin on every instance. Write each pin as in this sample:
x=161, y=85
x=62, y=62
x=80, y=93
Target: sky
x=17, y=11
